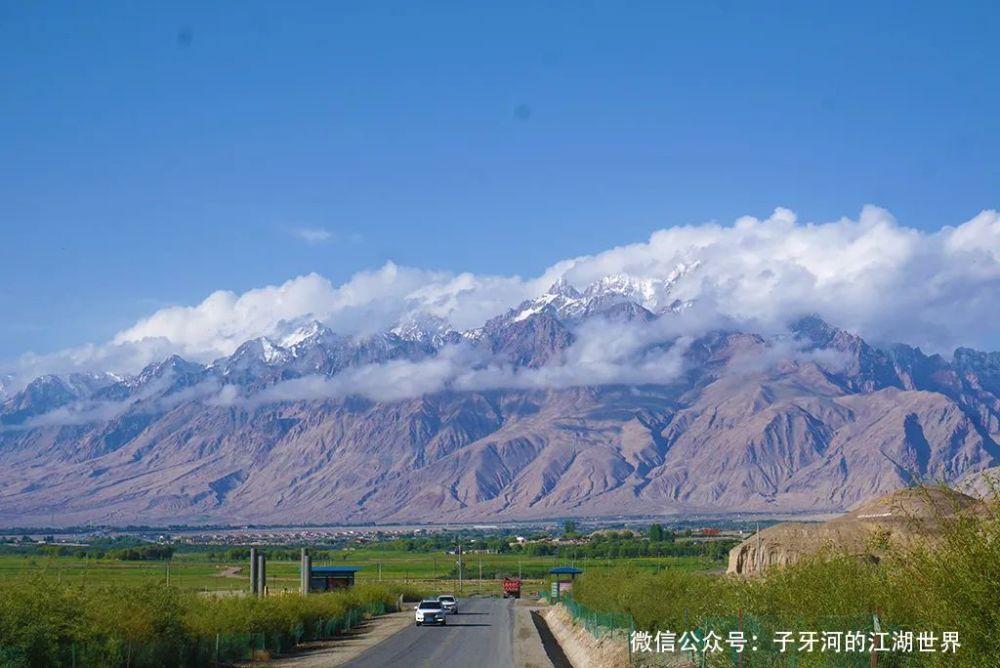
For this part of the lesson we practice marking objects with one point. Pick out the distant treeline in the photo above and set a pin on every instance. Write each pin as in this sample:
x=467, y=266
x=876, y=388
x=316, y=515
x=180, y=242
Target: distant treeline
x=124, y=549
x=622, y=544
x=628, y=549
x=143, y=553
x=151, y=552
x=608, y=545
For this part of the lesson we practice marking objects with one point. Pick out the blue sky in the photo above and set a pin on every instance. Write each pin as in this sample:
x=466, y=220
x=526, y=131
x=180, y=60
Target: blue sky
x=152, y=153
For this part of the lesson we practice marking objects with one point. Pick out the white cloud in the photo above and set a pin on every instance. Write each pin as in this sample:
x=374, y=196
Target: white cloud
x=616, y=354
x=604, y=353
x=313, y=235
x=369, y=302
x=871, y=275
x=125, y=357
x=392, y=381
x=148, y=400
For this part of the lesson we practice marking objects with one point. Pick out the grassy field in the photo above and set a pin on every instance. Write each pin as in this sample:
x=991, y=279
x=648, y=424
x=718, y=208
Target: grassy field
x=437, y=571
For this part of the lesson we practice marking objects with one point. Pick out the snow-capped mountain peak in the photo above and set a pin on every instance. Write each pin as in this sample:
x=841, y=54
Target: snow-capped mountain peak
x=256, y=352
x=311, y=331
x=653, y=294
x=421, y=327
x=273, y=354
x=561, y=296
x=175, y=364
x=641, y=290
x=530, y=308
x=561, y=288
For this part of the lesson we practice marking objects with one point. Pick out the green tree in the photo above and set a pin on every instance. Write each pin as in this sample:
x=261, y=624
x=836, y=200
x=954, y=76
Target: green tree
x=656, y=533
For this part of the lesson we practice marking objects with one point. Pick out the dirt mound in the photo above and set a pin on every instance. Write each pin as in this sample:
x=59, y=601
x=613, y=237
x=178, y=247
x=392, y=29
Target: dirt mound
x=583, y=649
x=865, y=531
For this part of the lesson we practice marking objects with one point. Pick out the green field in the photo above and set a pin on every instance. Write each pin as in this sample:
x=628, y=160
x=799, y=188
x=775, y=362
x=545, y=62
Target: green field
x=194, y=571
x=108, y=611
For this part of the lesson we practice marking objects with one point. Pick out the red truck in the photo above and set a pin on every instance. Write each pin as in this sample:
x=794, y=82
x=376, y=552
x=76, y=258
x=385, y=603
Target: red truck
x=511, y=588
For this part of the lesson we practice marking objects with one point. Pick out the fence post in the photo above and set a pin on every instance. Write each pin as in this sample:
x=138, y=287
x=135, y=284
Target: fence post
x=628, y=638
x=877, y=627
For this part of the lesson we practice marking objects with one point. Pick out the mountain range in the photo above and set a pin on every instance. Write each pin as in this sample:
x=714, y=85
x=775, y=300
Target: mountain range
x=576, y=403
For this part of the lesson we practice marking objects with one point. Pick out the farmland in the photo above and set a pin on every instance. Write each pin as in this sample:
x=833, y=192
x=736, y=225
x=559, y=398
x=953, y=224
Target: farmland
x=218, y=563
x=170, y=606
x=195, y=571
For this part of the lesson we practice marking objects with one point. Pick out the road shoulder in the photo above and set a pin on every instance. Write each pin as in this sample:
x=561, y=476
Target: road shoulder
x=340, y=650
x=528, y=649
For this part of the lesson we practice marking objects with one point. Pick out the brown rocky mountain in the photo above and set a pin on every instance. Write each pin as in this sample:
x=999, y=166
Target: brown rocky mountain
x=750, y=423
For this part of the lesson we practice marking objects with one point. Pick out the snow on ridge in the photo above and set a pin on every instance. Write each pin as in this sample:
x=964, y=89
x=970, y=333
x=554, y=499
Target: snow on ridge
x=653, y=294
x=301, y=334
x=273, y=354
x=421, y=327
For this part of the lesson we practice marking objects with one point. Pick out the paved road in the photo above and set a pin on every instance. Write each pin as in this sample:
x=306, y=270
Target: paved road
x=480, y=636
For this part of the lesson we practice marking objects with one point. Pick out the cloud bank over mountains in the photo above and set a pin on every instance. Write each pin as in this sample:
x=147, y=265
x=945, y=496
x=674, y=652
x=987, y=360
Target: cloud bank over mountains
x=871, y=275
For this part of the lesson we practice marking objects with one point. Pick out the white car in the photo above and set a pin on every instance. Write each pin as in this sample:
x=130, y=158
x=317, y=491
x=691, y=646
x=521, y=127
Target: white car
x=449, y=602
x=430, y=611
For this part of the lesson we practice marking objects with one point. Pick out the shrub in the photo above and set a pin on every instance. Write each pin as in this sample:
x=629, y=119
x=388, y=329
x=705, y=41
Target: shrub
x=948, y=580
x=41, y=624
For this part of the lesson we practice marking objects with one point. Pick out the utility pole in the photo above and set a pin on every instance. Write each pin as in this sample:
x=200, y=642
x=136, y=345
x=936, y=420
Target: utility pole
x=253, y=571
x=480, y=573
x=261, y=575
x=460, y=566
x=305, y=571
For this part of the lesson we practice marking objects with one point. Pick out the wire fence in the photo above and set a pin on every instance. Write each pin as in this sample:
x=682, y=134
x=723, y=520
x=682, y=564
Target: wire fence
x=186, y=652
x=828, y=642
x=751, y=641
x=598, y=623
